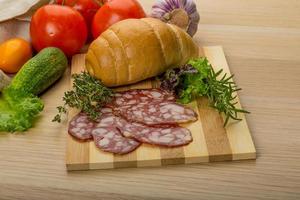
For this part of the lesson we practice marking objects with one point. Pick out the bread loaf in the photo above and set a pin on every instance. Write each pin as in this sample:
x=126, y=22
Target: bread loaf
x=136, y=49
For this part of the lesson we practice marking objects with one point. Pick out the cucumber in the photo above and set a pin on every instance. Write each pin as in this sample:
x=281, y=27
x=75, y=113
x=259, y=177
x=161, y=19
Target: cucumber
x=40, y=72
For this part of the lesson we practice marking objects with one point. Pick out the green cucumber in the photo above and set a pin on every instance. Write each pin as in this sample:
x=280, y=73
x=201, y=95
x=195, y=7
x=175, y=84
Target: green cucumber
x=19, y=104
x=40, y=72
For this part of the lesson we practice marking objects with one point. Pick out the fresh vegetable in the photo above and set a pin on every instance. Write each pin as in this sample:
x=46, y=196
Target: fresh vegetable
x=58, y=26
x=114, y=11
x=87, y=8
x=198, y=78
x=182, y=13
x=4, y=80
x=13, y=54
x=88, y=95
x=19, y=104
x=17, y=111
x=40, y=72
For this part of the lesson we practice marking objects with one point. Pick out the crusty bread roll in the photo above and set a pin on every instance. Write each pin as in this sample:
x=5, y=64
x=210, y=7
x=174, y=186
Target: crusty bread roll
x=136, y=49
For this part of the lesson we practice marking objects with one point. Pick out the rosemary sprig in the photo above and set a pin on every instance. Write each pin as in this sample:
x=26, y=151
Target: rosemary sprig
x=206, y=82
x=220, y=93
x=88, y=95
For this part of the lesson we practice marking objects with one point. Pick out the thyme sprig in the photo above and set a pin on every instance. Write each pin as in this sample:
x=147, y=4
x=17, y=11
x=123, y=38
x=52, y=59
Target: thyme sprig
x=88, y=94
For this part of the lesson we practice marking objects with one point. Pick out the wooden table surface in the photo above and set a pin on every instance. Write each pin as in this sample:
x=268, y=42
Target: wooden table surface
x=261, y=39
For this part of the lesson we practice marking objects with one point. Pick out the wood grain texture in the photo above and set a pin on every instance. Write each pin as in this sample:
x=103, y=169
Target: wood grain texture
x=80, y=160
x=261, y=39
x=212, y=142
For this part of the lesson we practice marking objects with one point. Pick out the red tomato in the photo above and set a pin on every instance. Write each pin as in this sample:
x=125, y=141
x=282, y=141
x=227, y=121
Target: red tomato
x=114, y=11
x=58, y=26
x=87, y=8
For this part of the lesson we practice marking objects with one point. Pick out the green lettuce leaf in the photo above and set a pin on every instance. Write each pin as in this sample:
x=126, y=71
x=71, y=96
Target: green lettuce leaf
x=205, y=82
x=18, y=110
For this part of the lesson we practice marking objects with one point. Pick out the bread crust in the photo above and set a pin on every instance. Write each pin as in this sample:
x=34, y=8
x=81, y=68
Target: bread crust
x=136, y=49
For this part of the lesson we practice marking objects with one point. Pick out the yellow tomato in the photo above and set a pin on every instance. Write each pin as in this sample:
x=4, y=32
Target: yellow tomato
x=13, y=54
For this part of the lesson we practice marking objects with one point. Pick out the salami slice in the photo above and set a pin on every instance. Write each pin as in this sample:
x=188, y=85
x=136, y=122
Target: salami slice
x=157, y=113
x=134, y=97
x=110, y=131
x=170, y=137
x=108, y=138
x=163, y=136
x=81, y=127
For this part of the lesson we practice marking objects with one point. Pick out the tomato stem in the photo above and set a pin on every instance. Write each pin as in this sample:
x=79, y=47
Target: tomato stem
x=99, y=2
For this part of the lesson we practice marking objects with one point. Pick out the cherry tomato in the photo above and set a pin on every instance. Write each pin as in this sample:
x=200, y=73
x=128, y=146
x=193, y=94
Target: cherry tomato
x=113, y=11
x=87, y=8
x=58, y=26
x=13, y=54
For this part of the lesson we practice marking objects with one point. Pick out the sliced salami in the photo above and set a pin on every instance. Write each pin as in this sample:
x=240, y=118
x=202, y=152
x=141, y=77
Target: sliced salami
x=134, y=117
x=134, y=97
x=108, y=138
x=107, y=135
x=81, y=127
x=170, y=137
x=157, y=113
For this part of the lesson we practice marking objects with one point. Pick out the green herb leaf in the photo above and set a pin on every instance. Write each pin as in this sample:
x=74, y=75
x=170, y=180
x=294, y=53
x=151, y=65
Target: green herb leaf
x=88, y=95
x=205, y=82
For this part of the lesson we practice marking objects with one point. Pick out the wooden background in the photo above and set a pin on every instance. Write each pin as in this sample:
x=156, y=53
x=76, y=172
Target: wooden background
x=261, y=39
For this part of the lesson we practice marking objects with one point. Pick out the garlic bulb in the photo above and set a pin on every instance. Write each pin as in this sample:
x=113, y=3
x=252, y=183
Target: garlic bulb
x=182, y=13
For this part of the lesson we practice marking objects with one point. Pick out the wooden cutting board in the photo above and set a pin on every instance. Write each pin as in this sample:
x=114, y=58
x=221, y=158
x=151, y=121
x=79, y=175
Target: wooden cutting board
x=211, y=141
